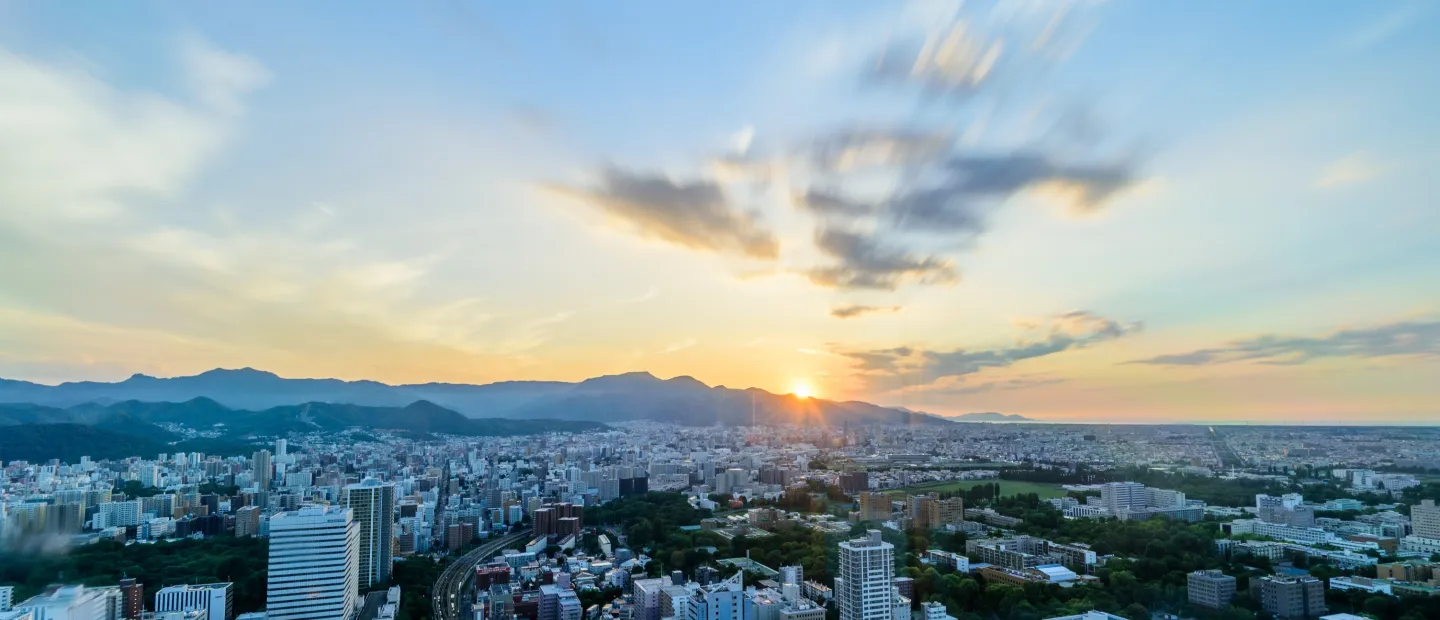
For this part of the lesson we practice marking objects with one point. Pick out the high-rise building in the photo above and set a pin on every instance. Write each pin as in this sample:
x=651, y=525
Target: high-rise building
x=924, y=512
x=217, y=600
x=952, y=511
x=281, y=448
x=314, y=565
x=73, y=603
x=1122, y=496
x=1290, y=597
x=263, y=469
x=863, y=588
x=646, y=593
x=373, y=504
x=854, y=481
x=1425, y=520
x=132, y=598
x=7, y=597
x=1210, y=588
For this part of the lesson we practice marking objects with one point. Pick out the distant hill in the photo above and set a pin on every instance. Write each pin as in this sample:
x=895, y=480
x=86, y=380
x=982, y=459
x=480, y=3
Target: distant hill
x=990, y=416
x=614, y=398
x=136, y=424
x=69, y=441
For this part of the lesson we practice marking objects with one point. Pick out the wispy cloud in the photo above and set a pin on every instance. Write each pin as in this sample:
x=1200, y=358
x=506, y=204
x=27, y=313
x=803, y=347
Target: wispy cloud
x=1397, y=339
x=850, y=311
x=679, y=345
x=901, y=367
x=1354, y=169
x=864, y=263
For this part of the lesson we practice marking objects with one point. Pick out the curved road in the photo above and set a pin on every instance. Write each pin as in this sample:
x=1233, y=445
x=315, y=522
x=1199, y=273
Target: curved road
x=445, y=596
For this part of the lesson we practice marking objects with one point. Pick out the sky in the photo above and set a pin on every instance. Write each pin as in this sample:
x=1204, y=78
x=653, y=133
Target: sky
x=1115, y=211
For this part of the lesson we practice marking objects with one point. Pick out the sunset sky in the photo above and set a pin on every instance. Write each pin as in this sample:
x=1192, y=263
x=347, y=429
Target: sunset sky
x=1109, y=211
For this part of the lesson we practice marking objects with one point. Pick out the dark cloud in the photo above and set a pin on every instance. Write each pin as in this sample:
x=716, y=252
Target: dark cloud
x=893, y=368
x=866, y=264
x=848, y=311
x=1401, y=338
x=694, y=214
x=879, y=359
x=974, y=185
x=827, y=203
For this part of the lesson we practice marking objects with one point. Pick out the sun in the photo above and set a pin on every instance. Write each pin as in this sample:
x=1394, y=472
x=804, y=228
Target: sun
x=802, y=389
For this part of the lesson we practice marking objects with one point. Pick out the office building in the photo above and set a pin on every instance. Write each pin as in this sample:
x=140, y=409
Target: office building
x=1289, y=597
x=132, y=598
x=1122, y=496
x=217, y=600
x=1210, y=588
x=314, y=565
x=863, y=588
x=1425, y=520
x=373, y=506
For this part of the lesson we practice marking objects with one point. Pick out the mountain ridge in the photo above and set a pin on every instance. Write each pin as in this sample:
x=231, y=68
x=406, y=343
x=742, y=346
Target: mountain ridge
x=608, y=398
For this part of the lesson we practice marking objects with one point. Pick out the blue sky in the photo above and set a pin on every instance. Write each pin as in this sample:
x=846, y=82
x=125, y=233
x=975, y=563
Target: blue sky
x=1074, y=210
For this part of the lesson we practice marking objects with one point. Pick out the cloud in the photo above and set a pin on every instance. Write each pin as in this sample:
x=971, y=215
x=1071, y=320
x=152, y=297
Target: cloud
x=847, y=311
x=976, y=184
x=693, y=214
x=1354, y=169
x=79, y=149
x=901, y=367
x=1397, y=339
x=849, y=150
x=999, y=385
x=826, y=203
x=865, y=264
x=679, y=345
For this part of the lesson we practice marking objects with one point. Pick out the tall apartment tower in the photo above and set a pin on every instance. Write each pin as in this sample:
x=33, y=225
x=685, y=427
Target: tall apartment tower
x=314, y=565
x=1425, y=519
x=863, y=588
x=264, y=470
x=373, y=504
x=1290, y=597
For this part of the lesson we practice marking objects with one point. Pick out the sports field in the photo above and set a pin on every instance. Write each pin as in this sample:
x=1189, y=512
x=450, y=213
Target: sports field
x=1007, y=487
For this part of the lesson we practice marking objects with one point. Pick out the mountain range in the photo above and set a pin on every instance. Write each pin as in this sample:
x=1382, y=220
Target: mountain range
x=613, y=398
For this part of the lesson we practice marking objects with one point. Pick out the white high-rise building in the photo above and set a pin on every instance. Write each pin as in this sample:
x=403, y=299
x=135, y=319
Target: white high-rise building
x=215, y=599
x=374, y=506
x=863, y=589
x=73, y=603
x=281, y=448
x=314, y=565
x=1118, y=496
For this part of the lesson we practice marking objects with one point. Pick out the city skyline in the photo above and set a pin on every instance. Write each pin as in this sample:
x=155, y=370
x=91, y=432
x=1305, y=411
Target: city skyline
x=999, y=207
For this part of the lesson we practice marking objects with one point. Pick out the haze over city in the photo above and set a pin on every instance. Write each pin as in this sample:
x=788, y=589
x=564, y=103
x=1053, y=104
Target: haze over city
x=1072, y=211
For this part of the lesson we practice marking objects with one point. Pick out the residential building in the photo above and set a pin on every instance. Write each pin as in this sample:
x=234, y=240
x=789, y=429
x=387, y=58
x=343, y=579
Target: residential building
x=1425, y=520
x=132, y=598
x=874, y=506
x=1210, y=588
x=314, y=565
x=247, y=521
x=1118, y=496
x=373, y=506
x=217, y=600
x=863, y=589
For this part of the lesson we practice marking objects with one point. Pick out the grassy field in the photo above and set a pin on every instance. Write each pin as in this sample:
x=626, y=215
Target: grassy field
x=1007, y=487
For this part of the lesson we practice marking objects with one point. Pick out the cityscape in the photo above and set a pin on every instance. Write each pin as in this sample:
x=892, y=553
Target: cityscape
x=743, y=310
x=649, y=520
